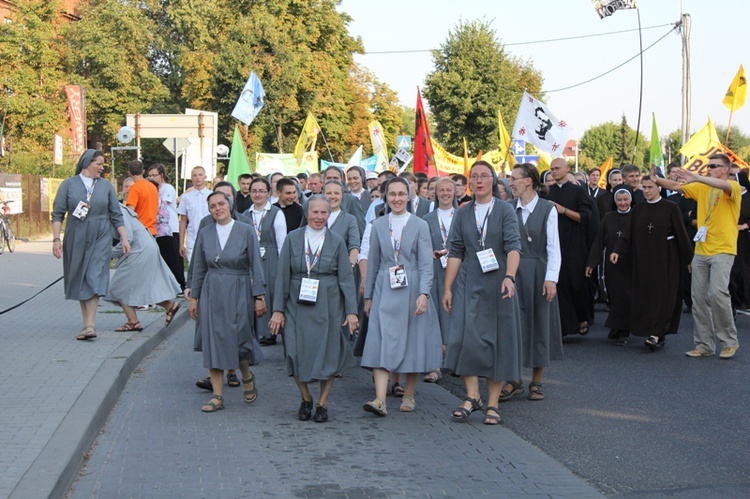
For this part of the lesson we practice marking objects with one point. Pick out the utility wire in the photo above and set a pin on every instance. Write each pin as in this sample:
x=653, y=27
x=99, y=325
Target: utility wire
x=528, y=42
x=614, y=68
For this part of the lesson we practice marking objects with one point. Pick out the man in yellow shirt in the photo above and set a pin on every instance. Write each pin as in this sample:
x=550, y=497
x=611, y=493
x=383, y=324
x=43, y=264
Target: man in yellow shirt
x=716, y=245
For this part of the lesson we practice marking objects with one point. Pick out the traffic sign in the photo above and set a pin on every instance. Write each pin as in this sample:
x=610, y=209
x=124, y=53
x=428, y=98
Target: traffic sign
x=518, y=147
x=403, y=155
x=528, y=159
x=403, y=142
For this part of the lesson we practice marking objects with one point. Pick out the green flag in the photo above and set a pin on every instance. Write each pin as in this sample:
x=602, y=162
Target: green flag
x=238, y=163
x=656, y=157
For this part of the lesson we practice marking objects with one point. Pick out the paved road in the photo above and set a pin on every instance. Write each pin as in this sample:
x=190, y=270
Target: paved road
x=637, y=423
x=157, y=443
x=56, y=391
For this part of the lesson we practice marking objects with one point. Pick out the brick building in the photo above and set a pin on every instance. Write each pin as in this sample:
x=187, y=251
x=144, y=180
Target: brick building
x=68, y=10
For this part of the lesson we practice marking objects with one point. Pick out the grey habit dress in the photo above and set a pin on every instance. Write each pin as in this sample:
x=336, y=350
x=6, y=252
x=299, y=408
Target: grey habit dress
x=346, y=227
x=142, y=277
x=225, y=282
x=270, y=261
x=485, y=330
x=87, y=245
x=316, y=348
x=438, y=281
x=541, y=333
x=397, y=340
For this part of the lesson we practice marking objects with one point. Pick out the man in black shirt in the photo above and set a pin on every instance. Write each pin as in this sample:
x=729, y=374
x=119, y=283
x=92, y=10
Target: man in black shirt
x=243, y=201
x=293, y=213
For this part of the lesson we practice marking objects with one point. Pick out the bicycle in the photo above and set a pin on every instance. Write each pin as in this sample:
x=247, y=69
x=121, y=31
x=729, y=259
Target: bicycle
x=6, y=230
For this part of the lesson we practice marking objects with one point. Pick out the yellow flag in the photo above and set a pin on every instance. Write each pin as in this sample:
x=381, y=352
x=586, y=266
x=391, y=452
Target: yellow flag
x=735, y=97
x=703, y=140
x=508, y=159
x=604, y=169
x=445, y=162
x=308, y=137
x=466, y=159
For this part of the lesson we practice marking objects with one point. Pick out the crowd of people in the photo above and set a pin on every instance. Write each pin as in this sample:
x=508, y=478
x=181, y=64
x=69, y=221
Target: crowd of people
x=481, y=276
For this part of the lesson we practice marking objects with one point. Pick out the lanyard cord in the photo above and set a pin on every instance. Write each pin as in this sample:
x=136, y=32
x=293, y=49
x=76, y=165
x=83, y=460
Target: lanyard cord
x=483, y=228
x=308, y=251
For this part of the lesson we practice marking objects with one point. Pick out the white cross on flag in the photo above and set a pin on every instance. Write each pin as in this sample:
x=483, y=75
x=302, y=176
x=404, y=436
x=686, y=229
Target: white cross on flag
x=537, y=124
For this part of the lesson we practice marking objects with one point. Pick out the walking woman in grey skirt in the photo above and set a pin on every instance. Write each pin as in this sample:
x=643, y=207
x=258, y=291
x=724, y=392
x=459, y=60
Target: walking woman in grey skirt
x=480, y=294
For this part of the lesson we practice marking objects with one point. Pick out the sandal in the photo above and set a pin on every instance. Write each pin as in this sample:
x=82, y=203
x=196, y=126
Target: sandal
x=433, y=376
x=170, y=315
x=129, y=326
x=492, y=420
x=377, y=406
x=535, y=391
x=213, y=406
x=251, y=394
x=233, y=380
x=461, y=413
x=583, y=329
x=87, y=333
x=510, y=390
x=397, y=390
x=408, y=404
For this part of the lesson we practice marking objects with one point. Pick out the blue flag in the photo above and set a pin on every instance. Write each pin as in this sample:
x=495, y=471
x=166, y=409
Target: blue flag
x=251, y=100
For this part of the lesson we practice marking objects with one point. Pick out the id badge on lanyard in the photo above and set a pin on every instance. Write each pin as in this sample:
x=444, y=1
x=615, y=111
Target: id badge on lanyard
x=258, y=227
x=308, y=291
x=82, y=210
x=444, y=235
x=486, y=257
x=397, y=275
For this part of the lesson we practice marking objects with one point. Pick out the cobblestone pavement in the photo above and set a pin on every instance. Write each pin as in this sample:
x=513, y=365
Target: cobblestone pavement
x=57, y=391
x=157, y=442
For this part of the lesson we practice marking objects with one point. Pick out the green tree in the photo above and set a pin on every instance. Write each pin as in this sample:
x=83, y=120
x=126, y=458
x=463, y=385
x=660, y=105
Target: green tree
x=672, y=147
x=474, y=77
x=31, y=96
x=109, y=54
x=602, y=141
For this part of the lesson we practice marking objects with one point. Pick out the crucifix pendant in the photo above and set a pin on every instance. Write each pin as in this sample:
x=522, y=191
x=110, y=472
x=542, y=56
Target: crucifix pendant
x=528, y=238
x=650, y=226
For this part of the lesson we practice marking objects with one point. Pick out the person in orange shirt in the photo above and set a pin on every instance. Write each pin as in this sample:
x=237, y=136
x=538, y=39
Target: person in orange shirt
x=143, y=197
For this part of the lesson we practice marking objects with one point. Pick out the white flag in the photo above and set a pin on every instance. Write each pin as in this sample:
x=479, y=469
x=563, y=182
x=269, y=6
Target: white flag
x=356, y=159
x=608, y=7
x=250, y=101
x=535, y=123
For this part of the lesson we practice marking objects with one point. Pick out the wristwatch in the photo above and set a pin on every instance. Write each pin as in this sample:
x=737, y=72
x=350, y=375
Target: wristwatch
x=512, y=278
x=260, y=298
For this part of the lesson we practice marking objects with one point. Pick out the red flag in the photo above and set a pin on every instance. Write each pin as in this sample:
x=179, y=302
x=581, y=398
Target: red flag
x=424, y=156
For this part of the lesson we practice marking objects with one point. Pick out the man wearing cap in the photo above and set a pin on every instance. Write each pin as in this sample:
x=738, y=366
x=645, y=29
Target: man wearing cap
x=372, y=180
x=719, y=202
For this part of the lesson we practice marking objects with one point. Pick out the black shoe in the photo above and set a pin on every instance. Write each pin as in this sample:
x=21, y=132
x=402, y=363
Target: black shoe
x=654, y=342
x=621, y=341
x=305, y=410
x=321, y=414
x=264, y=342
x=204, y=384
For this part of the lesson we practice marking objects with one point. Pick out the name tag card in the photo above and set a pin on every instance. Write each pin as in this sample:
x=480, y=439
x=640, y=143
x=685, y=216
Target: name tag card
x=81, y=210
x=487, y=260
x=308, y=291
x=262, y=252
x=444, y=261
x=700, y=236
x=398, y=277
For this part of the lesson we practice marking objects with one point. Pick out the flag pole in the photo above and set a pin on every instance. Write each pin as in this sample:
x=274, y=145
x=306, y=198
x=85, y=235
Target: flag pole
x=326, y=143
x=640, y=95
x=729, y=127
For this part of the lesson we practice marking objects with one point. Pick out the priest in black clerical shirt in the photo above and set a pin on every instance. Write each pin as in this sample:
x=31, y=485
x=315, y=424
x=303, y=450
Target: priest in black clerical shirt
x=578, y=221
x=293, y=212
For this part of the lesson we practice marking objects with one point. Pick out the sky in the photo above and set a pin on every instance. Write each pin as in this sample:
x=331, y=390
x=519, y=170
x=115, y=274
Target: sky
x=719, y=42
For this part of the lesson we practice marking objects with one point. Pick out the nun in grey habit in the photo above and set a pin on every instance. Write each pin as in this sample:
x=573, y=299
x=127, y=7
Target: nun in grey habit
x=403, y=333
x=90, y=204
x=316, y=348
x=226, y=292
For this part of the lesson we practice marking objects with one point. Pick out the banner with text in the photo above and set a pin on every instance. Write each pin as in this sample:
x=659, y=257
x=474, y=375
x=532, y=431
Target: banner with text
x=266, y=163
x=77, y=105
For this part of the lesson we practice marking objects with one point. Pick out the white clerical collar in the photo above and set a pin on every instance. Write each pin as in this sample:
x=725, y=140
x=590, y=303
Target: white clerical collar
x=265, y=208
x=654, y=201
x=530, y=205
x=357, y=195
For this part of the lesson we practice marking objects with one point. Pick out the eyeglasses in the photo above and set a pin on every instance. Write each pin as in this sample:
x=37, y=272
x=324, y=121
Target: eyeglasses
x=714, y=165
x=517, y=178
x=153, y=175
x=481, y=177
x=397, y=194
x=258, y=192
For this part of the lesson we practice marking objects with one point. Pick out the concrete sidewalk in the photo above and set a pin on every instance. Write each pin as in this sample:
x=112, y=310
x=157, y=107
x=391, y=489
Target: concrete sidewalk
x=58, y=391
